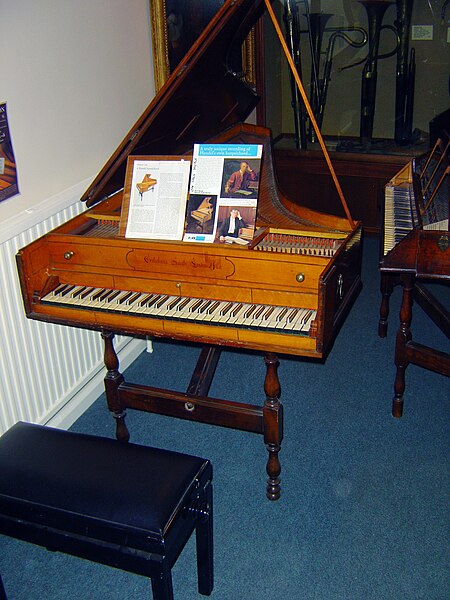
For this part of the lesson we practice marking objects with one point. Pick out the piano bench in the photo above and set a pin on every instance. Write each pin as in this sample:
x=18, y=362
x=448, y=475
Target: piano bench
x=120, y=504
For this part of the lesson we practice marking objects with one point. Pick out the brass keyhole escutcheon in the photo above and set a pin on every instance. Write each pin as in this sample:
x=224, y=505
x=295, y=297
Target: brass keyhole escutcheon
x=189, y=406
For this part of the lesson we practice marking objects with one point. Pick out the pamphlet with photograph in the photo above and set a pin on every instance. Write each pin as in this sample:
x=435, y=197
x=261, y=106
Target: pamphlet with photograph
x=223, y=193
x=8, y=171
x=155, y=198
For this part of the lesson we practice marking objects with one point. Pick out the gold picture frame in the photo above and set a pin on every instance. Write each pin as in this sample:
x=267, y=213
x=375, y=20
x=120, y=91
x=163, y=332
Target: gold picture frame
x=160, y=43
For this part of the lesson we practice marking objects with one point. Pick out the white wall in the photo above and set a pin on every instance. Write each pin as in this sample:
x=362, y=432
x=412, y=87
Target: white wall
x=76, y=74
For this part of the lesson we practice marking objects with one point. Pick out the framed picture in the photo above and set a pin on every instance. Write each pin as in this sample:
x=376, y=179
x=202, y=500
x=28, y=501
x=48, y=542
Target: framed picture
x=177, y=24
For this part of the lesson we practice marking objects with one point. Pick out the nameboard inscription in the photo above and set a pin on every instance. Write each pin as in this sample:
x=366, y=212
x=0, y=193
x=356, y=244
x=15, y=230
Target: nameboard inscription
x=195, y=265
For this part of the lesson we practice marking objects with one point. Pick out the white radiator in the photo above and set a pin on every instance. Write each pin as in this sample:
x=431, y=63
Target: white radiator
x=50, y=373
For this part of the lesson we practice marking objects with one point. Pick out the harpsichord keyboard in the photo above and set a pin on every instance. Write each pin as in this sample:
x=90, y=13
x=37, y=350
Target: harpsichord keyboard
x=184, y=308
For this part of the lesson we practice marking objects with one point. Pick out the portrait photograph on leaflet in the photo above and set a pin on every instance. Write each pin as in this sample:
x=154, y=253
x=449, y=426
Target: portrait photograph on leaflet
x=224, y=190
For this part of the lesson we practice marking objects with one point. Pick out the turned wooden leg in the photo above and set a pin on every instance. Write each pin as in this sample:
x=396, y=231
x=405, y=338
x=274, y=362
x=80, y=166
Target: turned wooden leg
x=386, y=287
x=403, y=337
x=113, y=379
x=273, y=425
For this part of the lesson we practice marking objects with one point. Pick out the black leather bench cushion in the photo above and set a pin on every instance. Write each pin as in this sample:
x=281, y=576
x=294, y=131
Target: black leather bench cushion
x=95, y=486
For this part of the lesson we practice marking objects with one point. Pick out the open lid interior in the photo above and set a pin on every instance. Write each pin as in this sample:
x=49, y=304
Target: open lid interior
x=202, y=98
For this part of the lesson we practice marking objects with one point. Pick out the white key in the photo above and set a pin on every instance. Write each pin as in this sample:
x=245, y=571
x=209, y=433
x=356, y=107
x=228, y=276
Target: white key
x=293, y=318
x=280, y=319
x=141, y=303
x=159, y=307
x=249, y=315
x=199, y=309
x=72, y=297
x=203, y=310
x=259, y=314
x=301, y=323
x=183, y=306
x=131, y=302
x=242, y=316
x=236, y=312
x=94, y=299
x=304, y=323
x=224, y=312
x=270, y=317
x=118, y=302
x=149, y=307
x=57, y=295
x=88, y=299
x=213, y=311
x=309, y=320
x=163, y=309
x=111, y=297
x=189, y=310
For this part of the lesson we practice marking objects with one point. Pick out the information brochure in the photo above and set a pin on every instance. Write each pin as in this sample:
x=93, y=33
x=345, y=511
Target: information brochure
x=8, y=171
x=223, y=193
x=158, y=192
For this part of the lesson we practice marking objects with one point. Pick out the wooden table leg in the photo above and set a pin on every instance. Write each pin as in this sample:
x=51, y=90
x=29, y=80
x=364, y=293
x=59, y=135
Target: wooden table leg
x=386, y=287
x=273, y=425
x=113, y=379
x=403, y=337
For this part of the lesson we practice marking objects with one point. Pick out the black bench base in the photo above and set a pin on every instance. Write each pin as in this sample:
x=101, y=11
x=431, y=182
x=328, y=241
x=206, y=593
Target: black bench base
x=119, y=504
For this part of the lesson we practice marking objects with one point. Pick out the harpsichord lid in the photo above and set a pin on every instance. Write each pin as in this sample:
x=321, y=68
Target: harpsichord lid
x=202, y=98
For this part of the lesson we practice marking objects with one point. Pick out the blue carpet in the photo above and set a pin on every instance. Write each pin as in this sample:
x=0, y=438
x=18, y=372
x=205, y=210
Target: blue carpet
x=363, y=513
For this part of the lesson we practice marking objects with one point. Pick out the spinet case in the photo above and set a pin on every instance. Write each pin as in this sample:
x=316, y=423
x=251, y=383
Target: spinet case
x=416, y=253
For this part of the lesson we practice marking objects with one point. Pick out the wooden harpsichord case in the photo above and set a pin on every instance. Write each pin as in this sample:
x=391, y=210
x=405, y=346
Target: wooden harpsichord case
x=287, y=292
